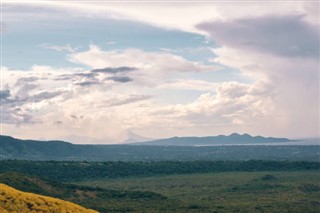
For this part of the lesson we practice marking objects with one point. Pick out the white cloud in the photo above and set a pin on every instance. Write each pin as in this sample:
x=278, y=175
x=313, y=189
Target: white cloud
x=105, y=109
x=66, y=47
x=222, y=112
x=272, y=42
x=153, y=61
x=293, y=77
x=152, y=68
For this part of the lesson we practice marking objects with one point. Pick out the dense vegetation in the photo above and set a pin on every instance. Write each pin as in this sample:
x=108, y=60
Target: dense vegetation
x=12, y=200
x=293, y=191
x=76, y=170
x=268, y=192
x=12, y=148
x=172, y=186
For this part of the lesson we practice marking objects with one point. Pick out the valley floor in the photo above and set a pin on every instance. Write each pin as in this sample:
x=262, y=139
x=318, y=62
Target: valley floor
x=220, y=192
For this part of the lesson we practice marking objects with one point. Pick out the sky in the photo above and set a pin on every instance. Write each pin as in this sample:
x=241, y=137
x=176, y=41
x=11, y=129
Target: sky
x=104, y=71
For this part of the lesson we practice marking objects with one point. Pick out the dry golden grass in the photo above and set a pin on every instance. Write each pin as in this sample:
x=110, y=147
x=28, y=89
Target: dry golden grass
x=15, y=201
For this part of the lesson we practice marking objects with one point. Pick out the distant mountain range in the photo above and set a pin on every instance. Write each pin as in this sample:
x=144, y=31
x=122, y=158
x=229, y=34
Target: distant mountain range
x=176, y=148
x=234, y=138
x=134, y=138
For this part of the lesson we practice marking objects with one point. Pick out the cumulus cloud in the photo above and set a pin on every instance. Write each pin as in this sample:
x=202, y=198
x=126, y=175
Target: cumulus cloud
x=282, y=52
x=128, y=59
x=218, y=112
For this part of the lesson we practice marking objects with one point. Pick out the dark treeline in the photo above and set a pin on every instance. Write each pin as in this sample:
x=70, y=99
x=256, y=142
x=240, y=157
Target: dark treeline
x=67, y=171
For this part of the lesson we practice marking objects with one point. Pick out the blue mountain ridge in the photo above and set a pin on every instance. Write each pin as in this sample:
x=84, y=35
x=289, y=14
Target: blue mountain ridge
x=233, y=138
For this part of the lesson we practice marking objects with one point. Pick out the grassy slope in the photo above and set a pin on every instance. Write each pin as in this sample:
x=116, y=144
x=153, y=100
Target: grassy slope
x=230, y=192
x=91, y=197
x=12, y=200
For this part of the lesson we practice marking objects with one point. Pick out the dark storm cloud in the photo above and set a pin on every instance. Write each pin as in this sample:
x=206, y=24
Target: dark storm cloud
x=85, y=75
x=121, y=79
x=288, y=36
x=5, y=94
x=88, y=79
x=114, y=70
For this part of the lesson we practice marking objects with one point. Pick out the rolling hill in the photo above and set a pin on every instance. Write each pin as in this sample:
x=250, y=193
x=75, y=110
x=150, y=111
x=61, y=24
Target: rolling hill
x=14, y=148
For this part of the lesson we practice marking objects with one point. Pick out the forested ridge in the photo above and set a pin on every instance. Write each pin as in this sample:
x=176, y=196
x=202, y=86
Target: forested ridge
x=82, y=170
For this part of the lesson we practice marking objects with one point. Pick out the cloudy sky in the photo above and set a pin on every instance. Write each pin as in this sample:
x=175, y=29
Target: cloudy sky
x=100, y=72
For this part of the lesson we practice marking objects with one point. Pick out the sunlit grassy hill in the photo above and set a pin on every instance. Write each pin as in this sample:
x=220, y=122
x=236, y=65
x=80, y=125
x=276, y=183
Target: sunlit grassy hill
x=100, y=199
x=12, y=200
